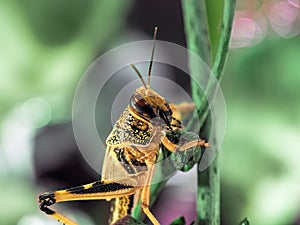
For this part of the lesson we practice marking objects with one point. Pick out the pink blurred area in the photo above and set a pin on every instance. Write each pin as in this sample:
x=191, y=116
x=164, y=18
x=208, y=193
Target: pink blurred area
x=245, y=32
x=178, y=199
x=295, y=3
x=284, y=18
x=175, y=203
x=255, y=20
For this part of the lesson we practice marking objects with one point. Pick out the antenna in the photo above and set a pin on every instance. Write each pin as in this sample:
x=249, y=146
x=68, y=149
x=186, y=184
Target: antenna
x=152, y=55
x=139, y=74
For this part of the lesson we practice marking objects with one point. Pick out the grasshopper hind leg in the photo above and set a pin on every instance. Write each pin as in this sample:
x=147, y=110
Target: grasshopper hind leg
x=47, y=199
x=94, y=191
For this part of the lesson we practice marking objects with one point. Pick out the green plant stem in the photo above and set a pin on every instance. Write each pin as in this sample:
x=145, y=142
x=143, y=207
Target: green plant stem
x=208, y=192
x=197, y=38
x=225, y=34
x=208, y=30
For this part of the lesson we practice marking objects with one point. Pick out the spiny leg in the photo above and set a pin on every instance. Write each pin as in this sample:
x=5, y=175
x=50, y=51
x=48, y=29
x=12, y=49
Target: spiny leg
x=93, y=191
x=175, y=147
x=145, y=197
x=185, y=107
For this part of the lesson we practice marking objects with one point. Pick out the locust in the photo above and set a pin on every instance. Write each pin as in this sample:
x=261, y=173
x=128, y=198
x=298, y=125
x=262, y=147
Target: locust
x=148, y=123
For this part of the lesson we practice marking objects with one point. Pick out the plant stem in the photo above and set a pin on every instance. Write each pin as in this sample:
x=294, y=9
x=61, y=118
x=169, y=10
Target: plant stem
x=208, y=192
x=209, y=40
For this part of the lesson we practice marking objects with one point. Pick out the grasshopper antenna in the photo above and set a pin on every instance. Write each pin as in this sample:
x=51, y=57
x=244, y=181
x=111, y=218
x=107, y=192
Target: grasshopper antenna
x=152, y=55
x=139, y=74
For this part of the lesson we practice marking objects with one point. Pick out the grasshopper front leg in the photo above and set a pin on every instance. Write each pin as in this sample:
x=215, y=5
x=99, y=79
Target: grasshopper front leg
x=185, y=149
x=145, y=197
x=93, y=191
x=175, y=147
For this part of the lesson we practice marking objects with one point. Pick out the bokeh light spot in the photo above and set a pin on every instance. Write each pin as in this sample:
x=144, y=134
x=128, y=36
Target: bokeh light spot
x=245, y=32
x=283, y=19
x=35, y=113
x=282, y=14
x=295, y=3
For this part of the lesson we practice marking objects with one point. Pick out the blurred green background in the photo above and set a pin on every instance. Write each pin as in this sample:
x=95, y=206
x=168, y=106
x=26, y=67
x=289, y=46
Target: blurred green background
x=45, y=47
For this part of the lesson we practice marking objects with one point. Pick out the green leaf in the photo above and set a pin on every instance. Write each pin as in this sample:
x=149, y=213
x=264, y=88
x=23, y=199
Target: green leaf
x=178, y=221
x=214, y=9
x=196, y=26
x=244, y=222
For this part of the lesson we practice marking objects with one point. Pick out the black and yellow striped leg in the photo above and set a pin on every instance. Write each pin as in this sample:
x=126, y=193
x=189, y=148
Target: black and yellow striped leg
x=93, y=191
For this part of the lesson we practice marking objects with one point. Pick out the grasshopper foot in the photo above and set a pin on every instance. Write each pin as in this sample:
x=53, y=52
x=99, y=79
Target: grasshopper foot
x=45, y=200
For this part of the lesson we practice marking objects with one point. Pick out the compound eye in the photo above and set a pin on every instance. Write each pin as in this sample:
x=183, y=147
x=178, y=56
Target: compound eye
x=139, y=100
x=141, y=106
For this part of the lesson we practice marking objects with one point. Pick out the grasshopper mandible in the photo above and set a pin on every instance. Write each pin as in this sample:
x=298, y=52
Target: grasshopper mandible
x=131, y=154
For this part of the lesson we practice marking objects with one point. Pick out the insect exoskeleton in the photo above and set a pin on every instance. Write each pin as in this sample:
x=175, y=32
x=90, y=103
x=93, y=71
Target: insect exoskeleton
x=147, y=124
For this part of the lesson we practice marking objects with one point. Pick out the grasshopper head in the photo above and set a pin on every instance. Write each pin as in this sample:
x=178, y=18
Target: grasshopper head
x=149, y=105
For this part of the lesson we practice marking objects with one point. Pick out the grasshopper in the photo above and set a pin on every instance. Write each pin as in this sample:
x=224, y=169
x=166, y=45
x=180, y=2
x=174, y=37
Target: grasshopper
x=148, y=124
